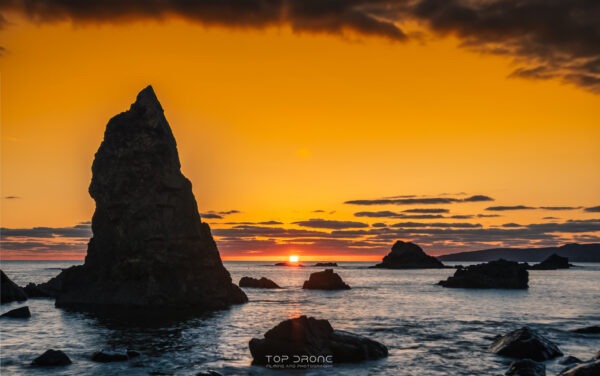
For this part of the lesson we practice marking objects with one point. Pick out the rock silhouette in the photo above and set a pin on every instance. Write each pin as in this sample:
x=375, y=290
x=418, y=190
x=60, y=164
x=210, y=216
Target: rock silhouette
x=325, y=280
x=326, y=264
x=306, y=341
x=18, y=313
x=591, y=368
x=500, y=274
x=149, y=250
x=406, y=255
x=263, y=283
x=51, y=358
x=10, y=291
x=594, y=329
x=525, y=343
x=526, y=367
x=553, y=262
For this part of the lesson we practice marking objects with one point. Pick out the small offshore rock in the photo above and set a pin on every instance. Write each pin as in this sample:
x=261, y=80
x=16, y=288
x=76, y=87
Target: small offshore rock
x=10, y=291
x=526, y=367
x=325, y=280
x=263, y=283
x=18, y=313
x=591, y=368
x=525, y=343
x=109, y=356
x=500, y=274
x=51, y=358
x=326, y=264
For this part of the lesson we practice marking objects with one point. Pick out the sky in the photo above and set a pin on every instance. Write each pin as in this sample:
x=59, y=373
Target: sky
x=327, y=129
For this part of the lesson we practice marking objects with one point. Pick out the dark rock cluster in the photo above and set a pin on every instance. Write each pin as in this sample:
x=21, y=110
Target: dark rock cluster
x=262, y=283
x=500, y=274
x=553, y=262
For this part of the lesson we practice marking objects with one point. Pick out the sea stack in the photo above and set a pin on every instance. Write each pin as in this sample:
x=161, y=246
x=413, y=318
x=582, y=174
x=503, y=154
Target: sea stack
x=149, y=250
x=406, y=255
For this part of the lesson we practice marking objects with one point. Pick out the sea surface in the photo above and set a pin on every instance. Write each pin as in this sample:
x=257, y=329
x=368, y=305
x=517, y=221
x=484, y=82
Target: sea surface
x=428, y=329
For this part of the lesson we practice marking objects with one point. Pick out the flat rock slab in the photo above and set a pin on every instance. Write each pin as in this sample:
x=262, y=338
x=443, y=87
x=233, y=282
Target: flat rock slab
x=525, y=343
x=18, y=313
x=500, y=274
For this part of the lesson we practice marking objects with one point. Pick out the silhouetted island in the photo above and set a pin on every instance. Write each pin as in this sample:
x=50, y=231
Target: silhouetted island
x=575, y=253
x=150, y=250
x=553, y=262
x=326, y=264
x=406, y=255
x=291, y=264
x=312, y=342
x=499, y=274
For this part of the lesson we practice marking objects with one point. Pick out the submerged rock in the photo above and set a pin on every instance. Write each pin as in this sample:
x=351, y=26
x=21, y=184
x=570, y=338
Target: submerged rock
x=306, y=341
x=406, y=255
x=525, y=343
x=326, y=264
x=18, y=313
x=500, y=274
x=594, y=329
x=325, y=280
x=51, y=358
x=526, y=367
x=263, y=283
x=569, y=360
x=150, y=250
x=104, y=356
x=10, y=291
x=553, y=262
x=591, y=368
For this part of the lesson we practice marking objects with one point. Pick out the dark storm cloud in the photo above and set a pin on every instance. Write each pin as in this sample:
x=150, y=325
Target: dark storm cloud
x=11, y=197
x=506, y=208
x=378, y=225
x=82, y=230
x=488, y=215
x=593, y=209
x=511, y=225
x=426, y=210
x=330, y=224
x=548, y=39
x=229, y=212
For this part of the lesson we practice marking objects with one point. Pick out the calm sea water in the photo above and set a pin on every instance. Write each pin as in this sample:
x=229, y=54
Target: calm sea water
x=429, y=330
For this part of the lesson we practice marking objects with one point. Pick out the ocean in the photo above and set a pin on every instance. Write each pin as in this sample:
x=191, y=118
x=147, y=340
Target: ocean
x=428, y=329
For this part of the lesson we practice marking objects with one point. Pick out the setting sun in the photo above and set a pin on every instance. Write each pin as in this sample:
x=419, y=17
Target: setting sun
x=294, y=258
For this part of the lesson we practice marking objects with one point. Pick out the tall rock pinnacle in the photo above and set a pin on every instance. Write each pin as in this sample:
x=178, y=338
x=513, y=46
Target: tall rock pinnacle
x=150, y=249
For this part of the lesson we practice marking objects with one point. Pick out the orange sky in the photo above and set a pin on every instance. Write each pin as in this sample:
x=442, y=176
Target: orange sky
x=277, y=125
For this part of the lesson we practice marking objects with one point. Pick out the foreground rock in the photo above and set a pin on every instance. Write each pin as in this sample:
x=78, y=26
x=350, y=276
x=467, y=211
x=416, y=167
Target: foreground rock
x=10, y=291
x=594, y=329
x=150, y=250
x=18, y=313
x=526, y=367
x=51, y=358
x=569, y=360
x=405, y=255
x=263, y=283
x=326, y=264
x=500, y=274
x=525, y=343
x=305, y=341
x=325, y=280
x=591, y=368
x=553, y=262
